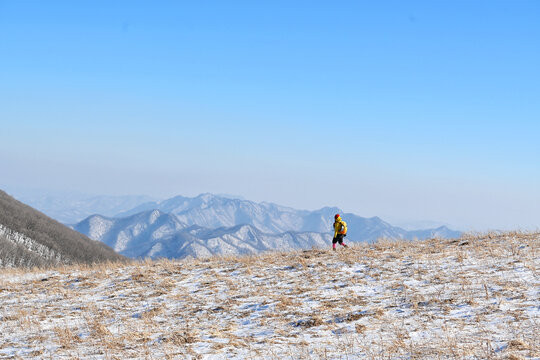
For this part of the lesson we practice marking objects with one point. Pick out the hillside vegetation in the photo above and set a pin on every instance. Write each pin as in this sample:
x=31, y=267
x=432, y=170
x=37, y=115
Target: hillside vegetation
x=29, y=238
x=477, y=297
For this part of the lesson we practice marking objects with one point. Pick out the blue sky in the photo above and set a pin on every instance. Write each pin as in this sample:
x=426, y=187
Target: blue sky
x=408, y=110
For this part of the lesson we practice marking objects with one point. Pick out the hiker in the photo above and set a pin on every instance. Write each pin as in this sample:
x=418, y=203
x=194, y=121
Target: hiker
x=340, y=231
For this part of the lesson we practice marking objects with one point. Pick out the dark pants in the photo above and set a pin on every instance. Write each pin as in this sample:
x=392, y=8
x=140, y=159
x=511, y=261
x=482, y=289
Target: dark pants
x=338, y=239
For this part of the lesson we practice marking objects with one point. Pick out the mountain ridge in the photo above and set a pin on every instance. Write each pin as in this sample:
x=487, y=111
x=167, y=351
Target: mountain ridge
x=209, y=225
x=30, y=238
x=190, y=241
x=212, y=211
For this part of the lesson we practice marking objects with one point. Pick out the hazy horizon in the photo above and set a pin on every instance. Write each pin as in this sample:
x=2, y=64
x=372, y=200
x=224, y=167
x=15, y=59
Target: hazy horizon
x=403, y=221
x=405, y=110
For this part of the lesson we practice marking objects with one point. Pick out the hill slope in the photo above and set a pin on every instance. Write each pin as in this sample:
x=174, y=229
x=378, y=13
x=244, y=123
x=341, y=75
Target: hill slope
x=470, y=298
x=155, y=234
x=30, y=238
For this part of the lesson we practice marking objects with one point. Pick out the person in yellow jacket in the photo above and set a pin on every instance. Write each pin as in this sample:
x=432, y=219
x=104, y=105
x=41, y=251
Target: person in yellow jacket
x=340, y=231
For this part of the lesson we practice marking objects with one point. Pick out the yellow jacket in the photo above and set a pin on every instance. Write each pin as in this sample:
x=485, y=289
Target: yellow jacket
x=340, y=227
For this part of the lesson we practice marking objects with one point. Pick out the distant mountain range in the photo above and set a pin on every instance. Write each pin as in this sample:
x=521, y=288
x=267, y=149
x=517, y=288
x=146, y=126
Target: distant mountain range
x=71, y=208
x=210, y=225
x=212, y=211
x=139, y=226
x=154, y=234
x=29, y=238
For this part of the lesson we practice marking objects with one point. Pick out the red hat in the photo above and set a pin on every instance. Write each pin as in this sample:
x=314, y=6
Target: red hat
x=336, y=216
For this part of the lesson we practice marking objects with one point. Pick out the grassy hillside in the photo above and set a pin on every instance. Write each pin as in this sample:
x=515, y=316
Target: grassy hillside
x=42, y=240
x=477, y=297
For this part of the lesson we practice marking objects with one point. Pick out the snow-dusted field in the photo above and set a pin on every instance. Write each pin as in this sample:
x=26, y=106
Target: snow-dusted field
x=477, y=297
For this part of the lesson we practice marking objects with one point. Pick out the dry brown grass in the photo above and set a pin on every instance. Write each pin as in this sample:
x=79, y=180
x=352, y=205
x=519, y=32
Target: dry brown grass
x=387, y=300
x=66, y=337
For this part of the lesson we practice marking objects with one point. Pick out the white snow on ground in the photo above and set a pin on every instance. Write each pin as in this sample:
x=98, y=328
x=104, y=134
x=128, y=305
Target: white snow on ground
x=473, y=298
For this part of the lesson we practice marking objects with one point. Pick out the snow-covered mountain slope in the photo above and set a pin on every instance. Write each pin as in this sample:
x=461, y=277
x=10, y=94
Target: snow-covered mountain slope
x=155, y=234
x=211, y=225
x=211, y=211
x=245, y=239
x=29, y=238
x=469, y=298
x=17, y=249
x=139, y=235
